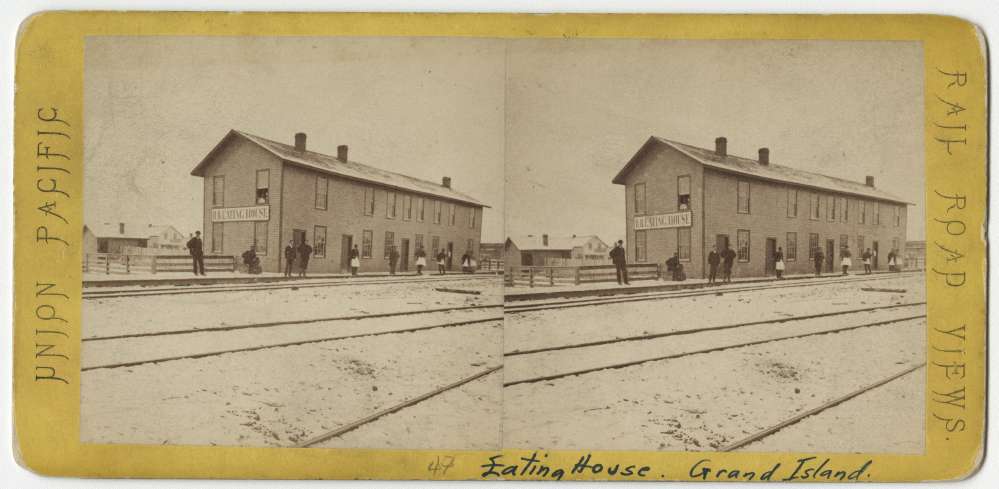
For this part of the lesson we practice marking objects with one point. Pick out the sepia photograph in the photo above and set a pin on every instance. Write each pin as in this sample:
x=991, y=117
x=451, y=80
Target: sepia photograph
x=476, y=244
x=284, y=242
x=715, y=246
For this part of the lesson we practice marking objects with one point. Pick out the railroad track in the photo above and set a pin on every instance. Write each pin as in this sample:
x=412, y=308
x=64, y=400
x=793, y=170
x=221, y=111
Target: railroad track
x=630, y=363
x=272, y=324
x=760, y=435
x=288, y=343
x=673, y=294
x=393, y=409
x=705, y=329
x=293, y=284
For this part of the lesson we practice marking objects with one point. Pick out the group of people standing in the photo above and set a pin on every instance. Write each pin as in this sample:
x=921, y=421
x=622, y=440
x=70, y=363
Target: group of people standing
x=726, y=259
x=297, y=257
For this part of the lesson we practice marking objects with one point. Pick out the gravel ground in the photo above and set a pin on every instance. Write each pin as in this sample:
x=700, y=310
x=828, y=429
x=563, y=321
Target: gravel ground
x=706, y=401
x=106, y=317
x=279, y=396
x=609, y=321
x=467, y=417
x=868, y=423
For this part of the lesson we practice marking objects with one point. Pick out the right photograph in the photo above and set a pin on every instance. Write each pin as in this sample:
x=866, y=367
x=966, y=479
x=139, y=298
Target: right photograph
x=714, y=246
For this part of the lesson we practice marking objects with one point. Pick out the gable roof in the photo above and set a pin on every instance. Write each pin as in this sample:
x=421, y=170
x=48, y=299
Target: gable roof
x=347, y=169
x=532, y=242
x=132, y=230
x=752, y=168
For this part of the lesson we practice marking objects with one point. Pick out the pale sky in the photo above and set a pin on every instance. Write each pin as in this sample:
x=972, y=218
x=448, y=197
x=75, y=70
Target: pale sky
x=555, y=119
x=577, y=110
x=155, y=106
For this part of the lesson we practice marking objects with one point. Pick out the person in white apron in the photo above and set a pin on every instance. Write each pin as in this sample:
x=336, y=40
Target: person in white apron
x=421, y=260
x=779, y=265
x=355, y=261
x=845, y=262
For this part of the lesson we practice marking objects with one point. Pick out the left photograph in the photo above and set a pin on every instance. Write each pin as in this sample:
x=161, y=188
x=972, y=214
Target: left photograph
x=293, y=242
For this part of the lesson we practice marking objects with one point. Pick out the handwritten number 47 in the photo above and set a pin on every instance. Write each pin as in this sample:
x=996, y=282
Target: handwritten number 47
x=439, y=465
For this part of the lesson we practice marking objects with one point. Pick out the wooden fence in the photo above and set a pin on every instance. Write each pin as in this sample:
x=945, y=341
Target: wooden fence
x=552, y=276
x=491, y=264
x=109, y=263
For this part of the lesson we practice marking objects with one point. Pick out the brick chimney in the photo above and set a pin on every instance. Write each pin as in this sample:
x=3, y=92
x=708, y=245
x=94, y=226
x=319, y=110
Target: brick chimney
x=764, y=156
x=721, y=146
x=446, y=182
x=870, y=181
x=544, y=240
x=300, y=141
x=341, y=152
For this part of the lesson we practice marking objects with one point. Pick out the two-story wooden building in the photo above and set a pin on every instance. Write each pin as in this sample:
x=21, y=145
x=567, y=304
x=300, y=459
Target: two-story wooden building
x=686, y=200
x=265, y=194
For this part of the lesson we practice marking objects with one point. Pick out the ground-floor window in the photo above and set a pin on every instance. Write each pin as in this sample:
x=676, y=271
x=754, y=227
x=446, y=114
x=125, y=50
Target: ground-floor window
x=640, y=246
x=791, y=247
x=742, y=244
x=468, y=247
x=217, y=237
x=260, y=237
x=894, y=245
x=389, y=243
x=436, y=245
x=683, y=243
x=813, y=245
x=844, y=243
x=367, y=236
x=418, y=243
x=860, y=244
x=319, y=242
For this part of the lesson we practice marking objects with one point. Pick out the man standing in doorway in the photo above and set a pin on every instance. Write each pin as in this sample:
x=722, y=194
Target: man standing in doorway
x=355, y=261
x=393, y=259
x=620, y=260
x=713, y=261
x=304, y=252
x=728, y=257
x=289, y=258
x=819, y=257
x=196, y=249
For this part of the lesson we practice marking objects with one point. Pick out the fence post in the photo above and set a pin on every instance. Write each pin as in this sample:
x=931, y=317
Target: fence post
x=659, y=272
x=107, y=264
x=576, y=273
x=128, y=264
x=234, y=263
x=152, y=266
x=86, y=262
x=551, y=277
x=530, y=273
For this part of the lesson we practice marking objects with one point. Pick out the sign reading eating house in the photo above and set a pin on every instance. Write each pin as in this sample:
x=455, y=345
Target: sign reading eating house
x=253, y=213
x=659, y=221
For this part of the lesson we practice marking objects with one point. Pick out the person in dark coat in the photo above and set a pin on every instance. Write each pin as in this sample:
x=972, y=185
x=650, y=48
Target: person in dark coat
x=251, y=260
x=818, y=258
x=867, y=260
x=620, y=261
x=728, y=258
x=196, y=249
x=441, y=260
x=355, y=261
x=393, y=259
x=713, y=260
x=289, y=258
x=674, y=267
x=304, y=252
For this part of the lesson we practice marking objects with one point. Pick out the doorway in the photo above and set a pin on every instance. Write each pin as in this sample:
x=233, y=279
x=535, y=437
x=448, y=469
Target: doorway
x=346, y=244
x=450, y=254
x=721, y=243
x=298, y=236
x=770, y=266
x=874, y=251
x=830, y=254
x=404, y=255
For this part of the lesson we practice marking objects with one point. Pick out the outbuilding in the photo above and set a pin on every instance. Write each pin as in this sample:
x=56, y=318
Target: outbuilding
x=686, y=200
x=266, y=194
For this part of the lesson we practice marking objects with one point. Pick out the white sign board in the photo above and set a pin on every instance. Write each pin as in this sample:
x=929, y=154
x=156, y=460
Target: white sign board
x=253, y=213
x=659, y=221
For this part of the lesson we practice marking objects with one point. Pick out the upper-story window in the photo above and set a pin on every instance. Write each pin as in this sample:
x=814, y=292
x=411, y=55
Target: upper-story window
x=897, y=215
x=743, y=197
x=218, y=191
x=813, y=207
x=407, y=207
x=792, y=202
x=369, y=201
x=450, y=214
x=683, y=192
x=640, y=198
x=322, y=191
x=263, y=186
x=391, y=198
x=862, y=211
x=419, y=209
x=437, y=212
x=876, y=209
x=471, y=217
x=845, y=209
x=830, y=208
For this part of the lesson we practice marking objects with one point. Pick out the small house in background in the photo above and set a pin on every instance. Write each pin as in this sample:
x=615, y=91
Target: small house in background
x=545, y=250
x=130, y=238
